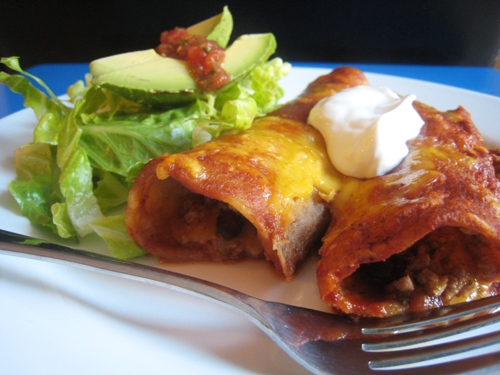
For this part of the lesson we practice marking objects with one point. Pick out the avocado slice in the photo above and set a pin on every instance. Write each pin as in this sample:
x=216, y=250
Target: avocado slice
x=148, y=78
x=218, y=28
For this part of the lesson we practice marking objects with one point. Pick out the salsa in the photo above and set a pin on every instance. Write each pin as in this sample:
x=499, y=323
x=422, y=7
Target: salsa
x=203, y=57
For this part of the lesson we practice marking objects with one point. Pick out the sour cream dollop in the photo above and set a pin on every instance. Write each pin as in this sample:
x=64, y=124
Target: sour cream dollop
x=366, y=129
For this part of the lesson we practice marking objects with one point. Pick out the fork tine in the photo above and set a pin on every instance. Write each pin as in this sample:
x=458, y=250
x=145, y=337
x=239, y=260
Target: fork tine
x=395, y=358
x=436, y=333
x=485, y=364
x=437, y=316
x=480, y=365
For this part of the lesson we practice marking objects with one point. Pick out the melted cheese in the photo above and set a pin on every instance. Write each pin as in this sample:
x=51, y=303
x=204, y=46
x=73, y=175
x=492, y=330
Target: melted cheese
x=288, y=157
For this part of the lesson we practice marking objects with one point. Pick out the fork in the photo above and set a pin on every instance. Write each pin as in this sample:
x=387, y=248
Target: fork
x=322, y=343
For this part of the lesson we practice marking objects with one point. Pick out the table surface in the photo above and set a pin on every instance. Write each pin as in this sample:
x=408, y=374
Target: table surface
x=481, y=79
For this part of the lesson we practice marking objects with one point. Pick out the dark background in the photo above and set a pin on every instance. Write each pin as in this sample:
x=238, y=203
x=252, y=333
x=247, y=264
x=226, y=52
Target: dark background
x=432, y=32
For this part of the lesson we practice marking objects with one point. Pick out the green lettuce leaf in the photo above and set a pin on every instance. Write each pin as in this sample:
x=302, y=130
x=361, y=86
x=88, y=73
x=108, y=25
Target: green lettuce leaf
x=113, y=230
x=117, y=141
x=76, y=181
x=34, y=98
x=111, y=190
x=62, y=221
x=236, y=107
x=264, y=84
x=36, y=187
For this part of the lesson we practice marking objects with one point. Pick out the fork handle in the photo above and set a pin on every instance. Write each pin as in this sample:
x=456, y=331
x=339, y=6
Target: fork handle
x=35, y=248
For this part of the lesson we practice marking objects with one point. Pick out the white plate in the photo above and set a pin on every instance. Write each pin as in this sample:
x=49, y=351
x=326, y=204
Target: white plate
x=63, y=320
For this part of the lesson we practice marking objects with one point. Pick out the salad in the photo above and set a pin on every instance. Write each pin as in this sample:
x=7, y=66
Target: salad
x=74, y=176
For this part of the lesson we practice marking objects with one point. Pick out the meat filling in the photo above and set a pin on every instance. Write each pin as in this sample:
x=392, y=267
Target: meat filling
x=214, y=226
x=442, y=268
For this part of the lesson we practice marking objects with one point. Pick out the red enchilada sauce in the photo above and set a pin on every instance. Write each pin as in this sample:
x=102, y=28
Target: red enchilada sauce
x=203, y=57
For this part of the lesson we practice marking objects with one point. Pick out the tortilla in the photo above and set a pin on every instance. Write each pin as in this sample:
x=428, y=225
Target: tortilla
x=425, y=235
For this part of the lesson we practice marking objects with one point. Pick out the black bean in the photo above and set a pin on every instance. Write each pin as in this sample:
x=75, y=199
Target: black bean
x=229, y=224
